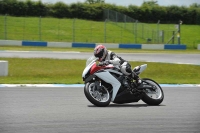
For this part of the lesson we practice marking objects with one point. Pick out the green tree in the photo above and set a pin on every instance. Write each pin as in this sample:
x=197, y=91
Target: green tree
x=95, y=1
x=150, y=3
x=134, y=12
x=60, y=10
x=195, y=5
x=173, y=13
x=198, y=16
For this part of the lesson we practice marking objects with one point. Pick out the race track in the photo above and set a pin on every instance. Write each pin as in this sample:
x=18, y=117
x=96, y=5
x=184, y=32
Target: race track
x=147, y=57
x=66, y=110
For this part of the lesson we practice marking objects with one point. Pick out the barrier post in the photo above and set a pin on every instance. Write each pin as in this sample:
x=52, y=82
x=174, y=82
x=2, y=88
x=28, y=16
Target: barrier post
x=179, y=31
x=39, y=28
x=5, y=27
x=105, y=31
x=135, y=30
x=3, y=68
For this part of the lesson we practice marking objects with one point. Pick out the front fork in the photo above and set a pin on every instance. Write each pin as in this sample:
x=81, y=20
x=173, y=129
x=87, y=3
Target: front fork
x=98, y=84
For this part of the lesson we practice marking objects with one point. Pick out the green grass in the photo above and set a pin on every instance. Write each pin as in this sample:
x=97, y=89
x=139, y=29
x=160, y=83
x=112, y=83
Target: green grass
x=76, y=30
x=62, y=30
x=60, y=71
x=69, y=30
x=190, y=34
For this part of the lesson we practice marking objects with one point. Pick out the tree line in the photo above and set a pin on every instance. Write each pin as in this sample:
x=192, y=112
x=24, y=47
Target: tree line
x=94, y=10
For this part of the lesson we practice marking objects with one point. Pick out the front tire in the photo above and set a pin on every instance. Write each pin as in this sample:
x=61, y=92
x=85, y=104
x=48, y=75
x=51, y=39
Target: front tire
x=153, y=97
x=100, y=98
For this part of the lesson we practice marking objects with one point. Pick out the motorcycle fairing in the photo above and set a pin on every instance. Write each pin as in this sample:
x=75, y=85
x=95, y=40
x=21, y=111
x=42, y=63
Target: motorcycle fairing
x=113, y=71
x=140, y=69
x=95, y=68
x=107, y=77
x=87, y=69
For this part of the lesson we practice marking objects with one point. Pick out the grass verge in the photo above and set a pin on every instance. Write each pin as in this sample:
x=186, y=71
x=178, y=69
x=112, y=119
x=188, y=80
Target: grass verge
x=62, y=71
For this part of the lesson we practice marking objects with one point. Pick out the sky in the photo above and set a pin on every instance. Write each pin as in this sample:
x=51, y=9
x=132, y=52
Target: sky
x=134, y=2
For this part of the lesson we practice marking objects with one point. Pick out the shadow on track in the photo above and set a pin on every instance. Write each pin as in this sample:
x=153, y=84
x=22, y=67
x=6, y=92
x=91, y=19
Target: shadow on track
x=127, y=105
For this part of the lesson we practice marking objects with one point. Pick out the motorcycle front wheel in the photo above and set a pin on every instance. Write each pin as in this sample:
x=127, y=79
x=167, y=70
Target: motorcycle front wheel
x=98, y=97
x=153, y=97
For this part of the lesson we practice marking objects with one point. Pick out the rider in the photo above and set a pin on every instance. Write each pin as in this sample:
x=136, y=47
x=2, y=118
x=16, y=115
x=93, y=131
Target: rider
x=108, y=57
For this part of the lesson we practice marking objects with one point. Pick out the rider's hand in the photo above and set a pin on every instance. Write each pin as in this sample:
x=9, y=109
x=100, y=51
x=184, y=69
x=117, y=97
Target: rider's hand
x=100, y=64
x=106, y=62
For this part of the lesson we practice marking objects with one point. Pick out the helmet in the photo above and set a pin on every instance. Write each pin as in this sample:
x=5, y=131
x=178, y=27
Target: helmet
x=100, y=52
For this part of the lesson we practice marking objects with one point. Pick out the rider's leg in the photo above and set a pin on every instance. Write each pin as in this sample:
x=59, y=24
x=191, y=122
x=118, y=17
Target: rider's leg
x=136, y=78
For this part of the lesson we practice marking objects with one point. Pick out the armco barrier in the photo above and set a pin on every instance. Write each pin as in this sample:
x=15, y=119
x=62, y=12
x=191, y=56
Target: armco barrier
x=92, y=45
x=153, y=46
x=198, y=47
x=113, y=45
x=10, y=43
x=60, y=44
x=30, y=43
x=167, y=46
x=83, y=45
x=132, y=46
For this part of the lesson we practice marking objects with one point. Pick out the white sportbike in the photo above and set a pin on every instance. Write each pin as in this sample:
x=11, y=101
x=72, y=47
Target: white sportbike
x=104, y=84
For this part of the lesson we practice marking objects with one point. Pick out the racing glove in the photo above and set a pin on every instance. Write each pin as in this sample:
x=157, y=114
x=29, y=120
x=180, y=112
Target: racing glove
x=106, y=62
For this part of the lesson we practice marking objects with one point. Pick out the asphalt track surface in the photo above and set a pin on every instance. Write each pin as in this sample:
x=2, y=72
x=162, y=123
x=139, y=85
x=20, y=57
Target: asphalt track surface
x=66, y=110
x=147, y=57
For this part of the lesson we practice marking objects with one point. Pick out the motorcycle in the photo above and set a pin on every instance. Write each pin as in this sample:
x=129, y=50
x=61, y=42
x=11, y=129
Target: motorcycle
x=105, y=84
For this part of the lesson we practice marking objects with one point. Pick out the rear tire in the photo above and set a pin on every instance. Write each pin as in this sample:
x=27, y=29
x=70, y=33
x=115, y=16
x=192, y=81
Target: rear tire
x=100, y=99
x=153, y=97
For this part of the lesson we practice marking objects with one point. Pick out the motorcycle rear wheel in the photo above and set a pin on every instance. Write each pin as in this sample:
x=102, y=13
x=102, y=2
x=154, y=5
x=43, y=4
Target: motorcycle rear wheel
x=100, y=98
x=153, y=97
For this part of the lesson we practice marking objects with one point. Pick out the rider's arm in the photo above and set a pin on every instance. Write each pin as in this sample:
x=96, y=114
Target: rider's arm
x=114, y=59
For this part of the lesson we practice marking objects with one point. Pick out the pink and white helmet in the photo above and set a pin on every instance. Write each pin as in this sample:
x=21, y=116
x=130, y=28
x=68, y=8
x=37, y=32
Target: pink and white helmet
x=100, y=52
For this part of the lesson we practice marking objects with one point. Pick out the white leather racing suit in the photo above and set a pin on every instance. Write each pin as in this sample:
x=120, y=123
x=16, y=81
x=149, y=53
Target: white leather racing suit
x=124, y=66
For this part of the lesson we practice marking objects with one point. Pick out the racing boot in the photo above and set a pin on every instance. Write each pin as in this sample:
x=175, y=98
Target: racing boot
x=137, y=79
